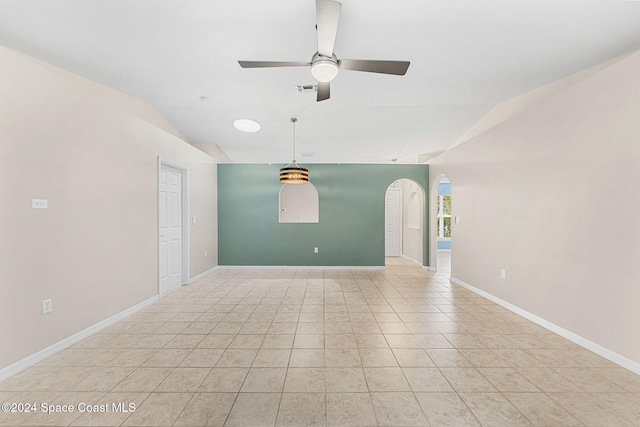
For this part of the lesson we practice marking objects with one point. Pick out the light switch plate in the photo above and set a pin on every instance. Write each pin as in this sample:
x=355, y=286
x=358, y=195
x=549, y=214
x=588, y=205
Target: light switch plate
x=47, y=306
x=39, y=204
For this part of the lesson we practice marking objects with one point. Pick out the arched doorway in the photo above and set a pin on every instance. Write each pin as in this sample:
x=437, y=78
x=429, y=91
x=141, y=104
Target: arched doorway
x=404, y=220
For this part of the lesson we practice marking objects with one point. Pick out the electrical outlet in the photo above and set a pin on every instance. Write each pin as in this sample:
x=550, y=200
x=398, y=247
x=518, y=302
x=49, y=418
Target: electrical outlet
x=47, y=306
x=315, y=250
x=206, y=252
x=503, y=273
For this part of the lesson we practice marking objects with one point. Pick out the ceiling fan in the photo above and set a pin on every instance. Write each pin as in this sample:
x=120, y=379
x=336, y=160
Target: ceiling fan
x=324, y=64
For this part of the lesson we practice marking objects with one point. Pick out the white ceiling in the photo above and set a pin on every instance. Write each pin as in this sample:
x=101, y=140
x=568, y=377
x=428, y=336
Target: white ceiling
x=466, y=57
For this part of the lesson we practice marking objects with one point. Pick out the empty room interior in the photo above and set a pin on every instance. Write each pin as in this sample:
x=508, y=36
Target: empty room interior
x=320, y=213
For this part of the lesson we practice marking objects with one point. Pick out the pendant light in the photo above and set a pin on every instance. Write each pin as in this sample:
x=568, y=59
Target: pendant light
x=292, y=173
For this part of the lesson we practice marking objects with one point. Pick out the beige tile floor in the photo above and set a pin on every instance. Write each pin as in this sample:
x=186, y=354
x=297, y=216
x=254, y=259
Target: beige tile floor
x=400, y=347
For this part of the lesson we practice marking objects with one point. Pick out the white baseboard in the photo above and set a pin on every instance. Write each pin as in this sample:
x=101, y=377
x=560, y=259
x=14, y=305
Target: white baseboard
x=415, y=261
x=201, y=275
x=31, y=360
x=577, y=339
x=426, y=267
x=301, y=267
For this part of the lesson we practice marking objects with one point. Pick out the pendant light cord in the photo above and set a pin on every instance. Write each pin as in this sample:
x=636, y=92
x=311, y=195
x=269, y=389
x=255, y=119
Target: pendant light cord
x=294, y=120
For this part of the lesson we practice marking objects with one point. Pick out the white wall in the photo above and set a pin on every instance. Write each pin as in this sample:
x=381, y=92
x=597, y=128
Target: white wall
x=93, y=153
x=552, y=195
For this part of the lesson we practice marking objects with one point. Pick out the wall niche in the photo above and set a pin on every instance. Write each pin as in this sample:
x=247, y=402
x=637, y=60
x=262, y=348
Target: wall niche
x=299, y=204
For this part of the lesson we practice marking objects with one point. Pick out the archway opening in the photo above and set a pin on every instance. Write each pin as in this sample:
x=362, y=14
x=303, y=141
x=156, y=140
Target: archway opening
x=298, y=204
x=404, y=221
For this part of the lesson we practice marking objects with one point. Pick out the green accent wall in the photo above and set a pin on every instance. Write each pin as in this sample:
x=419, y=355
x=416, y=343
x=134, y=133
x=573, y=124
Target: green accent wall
x=351, y=227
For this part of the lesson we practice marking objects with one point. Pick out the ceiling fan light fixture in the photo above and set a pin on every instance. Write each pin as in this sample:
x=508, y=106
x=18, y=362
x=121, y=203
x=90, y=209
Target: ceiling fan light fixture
x=324, y=65
x=324, y=70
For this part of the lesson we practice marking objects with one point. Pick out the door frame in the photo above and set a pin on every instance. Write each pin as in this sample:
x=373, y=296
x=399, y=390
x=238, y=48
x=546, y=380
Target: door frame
x=186, y=255
x=433, y=220
x=400, y=222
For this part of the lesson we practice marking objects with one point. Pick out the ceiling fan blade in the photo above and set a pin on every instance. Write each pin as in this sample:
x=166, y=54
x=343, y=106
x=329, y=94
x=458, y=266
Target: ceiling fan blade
x=267, y=64
x=398, y=68
x=323, y=91
x=327, y=17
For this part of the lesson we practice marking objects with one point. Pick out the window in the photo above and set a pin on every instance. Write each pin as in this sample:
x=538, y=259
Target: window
x=444, y=216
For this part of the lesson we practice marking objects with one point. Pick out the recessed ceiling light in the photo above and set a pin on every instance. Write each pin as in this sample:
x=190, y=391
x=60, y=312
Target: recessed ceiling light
x=246, y=125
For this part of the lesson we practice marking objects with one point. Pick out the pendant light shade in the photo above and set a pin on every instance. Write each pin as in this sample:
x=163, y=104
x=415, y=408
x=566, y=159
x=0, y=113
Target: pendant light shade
x=292, y=173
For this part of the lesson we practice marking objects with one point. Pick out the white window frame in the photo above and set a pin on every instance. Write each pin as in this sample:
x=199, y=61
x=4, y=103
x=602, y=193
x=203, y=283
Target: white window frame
x=441, y=217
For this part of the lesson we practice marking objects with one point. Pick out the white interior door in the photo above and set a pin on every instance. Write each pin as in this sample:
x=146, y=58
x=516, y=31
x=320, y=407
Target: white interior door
x=393, y=222
x=170, y=228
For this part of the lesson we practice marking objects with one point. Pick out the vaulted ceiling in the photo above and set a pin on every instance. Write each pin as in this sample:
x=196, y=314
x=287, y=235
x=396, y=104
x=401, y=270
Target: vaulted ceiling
x=181, y=56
